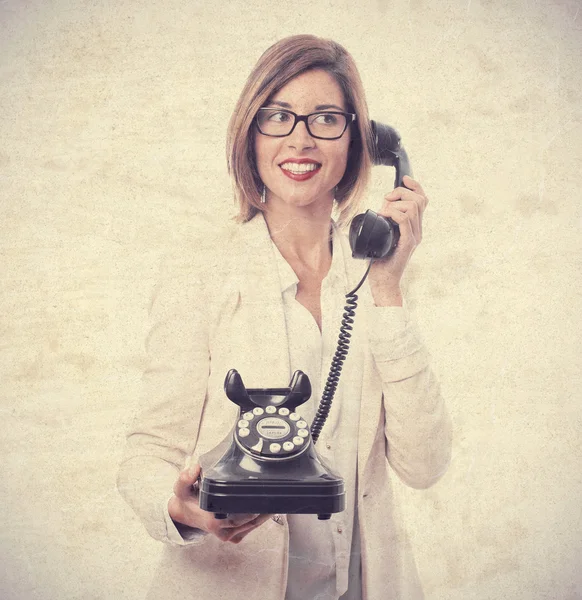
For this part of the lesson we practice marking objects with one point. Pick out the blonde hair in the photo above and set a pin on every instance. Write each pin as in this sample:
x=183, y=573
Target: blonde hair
x=278, y=65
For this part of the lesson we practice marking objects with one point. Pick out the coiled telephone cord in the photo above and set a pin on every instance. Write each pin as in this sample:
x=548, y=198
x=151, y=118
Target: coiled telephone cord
x=338, y=359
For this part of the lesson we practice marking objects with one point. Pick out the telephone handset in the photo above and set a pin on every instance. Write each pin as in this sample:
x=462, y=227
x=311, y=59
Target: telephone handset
x=371, y=235
x=268, y=462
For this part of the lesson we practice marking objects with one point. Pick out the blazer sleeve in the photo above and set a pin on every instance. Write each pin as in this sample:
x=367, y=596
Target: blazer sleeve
x=418, y=426
x=165, y=429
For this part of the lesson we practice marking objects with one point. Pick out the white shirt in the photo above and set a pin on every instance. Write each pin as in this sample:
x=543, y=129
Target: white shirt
x=319, y=551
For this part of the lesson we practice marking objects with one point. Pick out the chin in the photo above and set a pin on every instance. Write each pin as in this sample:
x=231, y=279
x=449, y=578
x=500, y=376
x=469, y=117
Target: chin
x=307, y=200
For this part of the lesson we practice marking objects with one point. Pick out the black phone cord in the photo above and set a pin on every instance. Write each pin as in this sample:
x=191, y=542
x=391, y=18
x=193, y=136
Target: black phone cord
x=337, y=361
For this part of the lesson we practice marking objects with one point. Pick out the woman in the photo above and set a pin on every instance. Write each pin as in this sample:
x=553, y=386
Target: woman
x=268, y=301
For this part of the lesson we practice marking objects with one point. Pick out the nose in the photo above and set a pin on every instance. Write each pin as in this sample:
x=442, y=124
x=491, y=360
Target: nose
x=299, y=138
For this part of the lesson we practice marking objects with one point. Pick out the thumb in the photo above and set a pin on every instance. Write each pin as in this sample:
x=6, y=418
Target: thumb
x=194, y=471
x=184, y=483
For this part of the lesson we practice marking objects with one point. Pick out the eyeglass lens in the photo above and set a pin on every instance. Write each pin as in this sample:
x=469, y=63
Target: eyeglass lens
x=280, y=122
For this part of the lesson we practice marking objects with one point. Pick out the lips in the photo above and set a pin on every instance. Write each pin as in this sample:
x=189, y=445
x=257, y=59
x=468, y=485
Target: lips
x=300, y=169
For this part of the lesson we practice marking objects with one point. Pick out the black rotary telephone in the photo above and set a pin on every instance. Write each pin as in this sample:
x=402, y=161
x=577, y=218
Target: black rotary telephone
x=268, y=463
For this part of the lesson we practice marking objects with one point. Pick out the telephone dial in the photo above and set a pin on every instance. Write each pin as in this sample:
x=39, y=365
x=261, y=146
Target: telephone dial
x=268, y=462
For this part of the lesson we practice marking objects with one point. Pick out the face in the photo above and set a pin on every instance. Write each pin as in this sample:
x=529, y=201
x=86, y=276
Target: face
x=300, y=170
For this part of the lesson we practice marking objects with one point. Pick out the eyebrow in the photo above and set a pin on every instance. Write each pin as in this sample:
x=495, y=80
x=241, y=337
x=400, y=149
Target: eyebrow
x=318, y=107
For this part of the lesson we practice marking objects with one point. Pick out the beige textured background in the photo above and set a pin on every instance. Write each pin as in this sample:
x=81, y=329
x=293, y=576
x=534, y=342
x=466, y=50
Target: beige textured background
x=112, y=124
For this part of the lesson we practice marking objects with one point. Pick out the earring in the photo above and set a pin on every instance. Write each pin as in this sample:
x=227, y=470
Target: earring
x=264, y=195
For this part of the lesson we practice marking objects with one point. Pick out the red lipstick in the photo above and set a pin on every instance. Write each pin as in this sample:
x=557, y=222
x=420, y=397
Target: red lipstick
x=300, y=174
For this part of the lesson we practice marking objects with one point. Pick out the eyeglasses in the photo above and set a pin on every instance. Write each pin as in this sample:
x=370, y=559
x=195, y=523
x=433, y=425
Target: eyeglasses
x=326, y=125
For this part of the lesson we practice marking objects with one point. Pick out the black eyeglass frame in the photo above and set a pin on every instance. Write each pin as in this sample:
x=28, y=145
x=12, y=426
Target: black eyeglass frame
x=304, y=118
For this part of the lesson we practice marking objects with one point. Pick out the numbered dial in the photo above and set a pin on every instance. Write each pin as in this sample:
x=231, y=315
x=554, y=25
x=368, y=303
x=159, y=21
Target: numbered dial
x=272, y=432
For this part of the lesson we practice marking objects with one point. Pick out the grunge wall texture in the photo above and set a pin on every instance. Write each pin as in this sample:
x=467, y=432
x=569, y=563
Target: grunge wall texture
x=112, y=125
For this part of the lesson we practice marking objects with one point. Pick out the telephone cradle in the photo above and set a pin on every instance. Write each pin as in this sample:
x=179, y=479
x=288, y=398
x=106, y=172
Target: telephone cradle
x=268, y=463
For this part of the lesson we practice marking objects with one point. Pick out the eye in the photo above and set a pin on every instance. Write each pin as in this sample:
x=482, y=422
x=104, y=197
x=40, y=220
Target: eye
x=277, y=116
x=328, y=119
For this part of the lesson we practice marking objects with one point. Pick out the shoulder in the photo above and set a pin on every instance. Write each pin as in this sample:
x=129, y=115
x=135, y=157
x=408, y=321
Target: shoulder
x=214, y=257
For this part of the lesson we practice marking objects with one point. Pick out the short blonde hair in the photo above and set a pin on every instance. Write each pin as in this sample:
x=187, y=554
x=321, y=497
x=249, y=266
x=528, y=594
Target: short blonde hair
x=278, y=65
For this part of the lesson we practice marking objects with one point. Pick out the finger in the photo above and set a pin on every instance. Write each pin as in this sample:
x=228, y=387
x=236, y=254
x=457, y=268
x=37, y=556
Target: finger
x=184, y=483
x=237, y=534
x=404, y=206
x=256, y=522
x=402, y=194
x=413, y=185
x=245, y=530
x=408, y=207
x=417, y=188
x=227, y=532
x=237, y=520
x=404, y=222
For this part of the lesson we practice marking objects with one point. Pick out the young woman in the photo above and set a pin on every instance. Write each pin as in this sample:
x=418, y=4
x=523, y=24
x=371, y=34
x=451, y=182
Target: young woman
x=269, y=300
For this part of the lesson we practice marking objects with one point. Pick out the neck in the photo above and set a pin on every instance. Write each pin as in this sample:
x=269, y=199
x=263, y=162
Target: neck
x=301, y=234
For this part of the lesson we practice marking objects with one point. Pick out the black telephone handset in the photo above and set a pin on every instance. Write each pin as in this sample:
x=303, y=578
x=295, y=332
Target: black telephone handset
x=268, y=463
x=371, y=235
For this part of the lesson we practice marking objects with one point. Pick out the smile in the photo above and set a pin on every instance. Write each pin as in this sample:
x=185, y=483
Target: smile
x=300, y=171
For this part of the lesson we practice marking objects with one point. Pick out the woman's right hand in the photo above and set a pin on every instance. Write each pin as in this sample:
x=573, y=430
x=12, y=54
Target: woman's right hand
x=184, y=508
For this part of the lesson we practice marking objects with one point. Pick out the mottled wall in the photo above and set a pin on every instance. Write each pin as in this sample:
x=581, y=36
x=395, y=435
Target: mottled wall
x=112, y=125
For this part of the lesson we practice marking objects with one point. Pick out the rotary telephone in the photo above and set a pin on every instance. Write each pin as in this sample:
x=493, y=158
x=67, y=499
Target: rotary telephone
x=268, y=462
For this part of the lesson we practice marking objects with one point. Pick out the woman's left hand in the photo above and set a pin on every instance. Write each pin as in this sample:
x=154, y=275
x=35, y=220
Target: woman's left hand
x=405, y=206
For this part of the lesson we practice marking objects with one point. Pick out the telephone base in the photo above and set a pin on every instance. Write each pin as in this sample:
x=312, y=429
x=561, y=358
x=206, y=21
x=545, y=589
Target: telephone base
x=260, y=497
x=238, y=484
x=324, y=517
x=268, y=463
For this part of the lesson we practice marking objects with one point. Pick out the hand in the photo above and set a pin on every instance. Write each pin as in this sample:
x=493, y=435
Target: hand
x=184, y=508
x=405, y=206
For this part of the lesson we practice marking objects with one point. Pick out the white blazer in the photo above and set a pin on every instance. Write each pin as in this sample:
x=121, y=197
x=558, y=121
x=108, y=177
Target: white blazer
x=219, y=308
